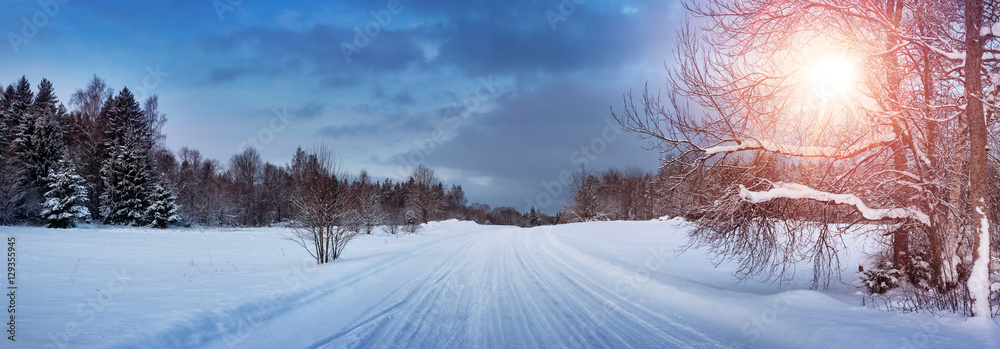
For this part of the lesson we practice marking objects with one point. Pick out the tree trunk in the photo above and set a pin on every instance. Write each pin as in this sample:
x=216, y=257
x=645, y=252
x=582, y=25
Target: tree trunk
x=979, y=278
x=900, y=237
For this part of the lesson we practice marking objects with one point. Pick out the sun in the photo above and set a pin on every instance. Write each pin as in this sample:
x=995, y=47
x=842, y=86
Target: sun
x=833, y=76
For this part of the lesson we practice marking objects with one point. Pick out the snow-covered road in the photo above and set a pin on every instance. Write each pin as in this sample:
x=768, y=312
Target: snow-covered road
x=505, y=288
x=456, y=285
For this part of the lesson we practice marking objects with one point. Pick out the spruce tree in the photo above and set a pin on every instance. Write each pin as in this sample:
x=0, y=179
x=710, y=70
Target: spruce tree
x=127, y=174
x=21, y=98
x=162, y=210
x=533, y=219
x=7, y=97
x=126, y=125
x=20, y=110
x=126, y=188
x=66, y=198
x=45, y=100
x=3, y=133
x=40, y=147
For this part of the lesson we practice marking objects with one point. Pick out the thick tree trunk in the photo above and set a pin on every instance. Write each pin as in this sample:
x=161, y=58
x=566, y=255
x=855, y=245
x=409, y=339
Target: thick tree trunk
x=979, y=278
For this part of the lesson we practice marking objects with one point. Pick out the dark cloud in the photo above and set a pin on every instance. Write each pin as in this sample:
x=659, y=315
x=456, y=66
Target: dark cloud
x=311, y=110
x=349, y=130
x=382, y=126
x=534, y=136
x=223, y=75
x=314, y=53
x=479, y=38
x=339, y=81
x=398, y=98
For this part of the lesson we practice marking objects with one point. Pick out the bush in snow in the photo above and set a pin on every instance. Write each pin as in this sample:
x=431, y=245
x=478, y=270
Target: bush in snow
x=412, y=221
x=919, y=272
x=162, y=210
x=881, y=279
x=325, y=221
x=66, y=198
x=391, y=228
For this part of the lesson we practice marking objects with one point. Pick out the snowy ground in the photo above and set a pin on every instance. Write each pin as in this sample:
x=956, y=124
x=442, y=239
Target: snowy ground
x=456, y=285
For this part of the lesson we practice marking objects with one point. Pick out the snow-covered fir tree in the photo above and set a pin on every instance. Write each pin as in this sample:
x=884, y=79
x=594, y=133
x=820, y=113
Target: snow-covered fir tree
x=533, y=219
x=127, y=175
x=66, y=199
x=162, y=210
x=40, y=148
x=3, y=132
x=126, y=188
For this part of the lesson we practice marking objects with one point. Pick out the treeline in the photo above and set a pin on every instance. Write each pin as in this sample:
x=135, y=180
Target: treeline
x=250, y=192
x=99, y=160
x=630, y=194
x=105, y=161
x=693, y=192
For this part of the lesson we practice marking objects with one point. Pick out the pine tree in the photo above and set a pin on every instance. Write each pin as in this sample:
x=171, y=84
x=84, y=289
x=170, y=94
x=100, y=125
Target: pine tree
x=533, y=219
x=162, y=210
x=126, y=188
x=66, y=198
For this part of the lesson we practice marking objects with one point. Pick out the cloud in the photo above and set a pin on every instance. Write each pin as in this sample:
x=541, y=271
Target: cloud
x=476, y=38
x=310, y=110
x=533, y=136
x=357, y=130
x=225, y=74
x=313, y=53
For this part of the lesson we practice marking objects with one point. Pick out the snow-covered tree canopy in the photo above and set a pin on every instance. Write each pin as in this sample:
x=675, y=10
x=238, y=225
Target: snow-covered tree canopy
x=66, y=199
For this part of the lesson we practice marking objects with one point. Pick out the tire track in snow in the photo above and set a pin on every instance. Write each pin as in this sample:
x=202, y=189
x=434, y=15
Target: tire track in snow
x=508, y=289
x=208, y=326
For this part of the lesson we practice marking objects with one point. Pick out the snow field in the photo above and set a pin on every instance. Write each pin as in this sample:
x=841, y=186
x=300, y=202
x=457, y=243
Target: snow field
x=456, y=285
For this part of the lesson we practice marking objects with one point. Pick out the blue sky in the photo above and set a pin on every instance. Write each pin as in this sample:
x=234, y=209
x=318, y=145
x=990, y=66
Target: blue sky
x=498, y=96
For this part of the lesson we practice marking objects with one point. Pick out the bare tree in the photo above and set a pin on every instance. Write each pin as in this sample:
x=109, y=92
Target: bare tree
x=275, y=189
x=246, y=170
x=85, y=137
x=426, y=194
x=760, y=84
x=317, y=200
x=456, y=202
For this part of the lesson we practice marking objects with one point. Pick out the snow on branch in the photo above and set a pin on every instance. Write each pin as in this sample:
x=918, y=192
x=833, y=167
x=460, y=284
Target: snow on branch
x=799, y=191
x=802, y=151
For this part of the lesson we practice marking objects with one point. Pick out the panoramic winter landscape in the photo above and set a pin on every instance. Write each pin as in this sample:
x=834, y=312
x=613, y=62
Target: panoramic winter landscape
x=501, y=174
